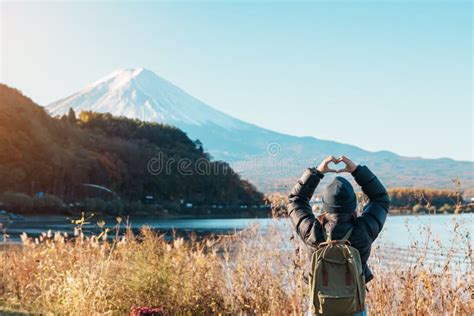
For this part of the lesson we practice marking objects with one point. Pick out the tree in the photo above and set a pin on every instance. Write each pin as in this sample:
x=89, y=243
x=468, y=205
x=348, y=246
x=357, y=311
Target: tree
x=198, y=144
x=71, y=116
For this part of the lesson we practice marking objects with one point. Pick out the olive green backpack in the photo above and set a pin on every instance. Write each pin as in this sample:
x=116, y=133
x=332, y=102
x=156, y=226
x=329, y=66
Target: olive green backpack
x=337, y=283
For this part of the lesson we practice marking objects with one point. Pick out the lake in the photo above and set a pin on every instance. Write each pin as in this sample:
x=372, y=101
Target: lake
x=399, y=230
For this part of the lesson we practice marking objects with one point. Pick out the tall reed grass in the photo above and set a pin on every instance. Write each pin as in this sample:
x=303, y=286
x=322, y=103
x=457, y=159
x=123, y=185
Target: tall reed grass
x=254, y=272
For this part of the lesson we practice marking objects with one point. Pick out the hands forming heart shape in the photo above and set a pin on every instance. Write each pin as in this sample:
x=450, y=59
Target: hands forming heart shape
x=324, y=166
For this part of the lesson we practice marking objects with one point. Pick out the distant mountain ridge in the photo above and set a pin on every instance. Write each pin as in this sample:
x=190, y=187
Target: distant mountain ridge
x=269, y=159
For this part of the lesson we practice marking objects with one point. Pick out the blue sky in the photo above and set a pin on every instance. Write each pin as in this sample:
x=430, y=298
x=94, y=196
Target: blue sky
x=380, y=75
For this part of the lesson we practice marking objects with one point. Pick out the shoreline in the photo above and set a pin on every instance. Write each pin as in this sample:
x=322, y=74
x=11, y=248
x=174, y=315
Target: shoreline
x=395, y=212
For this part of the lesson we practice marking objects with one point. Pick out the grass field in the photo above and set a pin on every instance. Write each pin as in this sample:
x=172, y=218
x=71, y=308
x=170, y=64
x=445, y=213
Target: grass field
x=250, y=272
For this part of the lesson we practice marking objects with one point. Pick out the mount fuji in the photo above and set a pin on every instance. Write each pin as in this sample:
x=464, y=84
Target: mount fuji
x=269, y=159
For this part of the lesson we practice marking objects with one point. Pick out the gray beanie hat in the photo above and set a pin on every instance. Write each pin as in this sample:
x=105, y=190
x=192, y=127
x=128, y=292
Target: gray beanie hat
x=339, y=197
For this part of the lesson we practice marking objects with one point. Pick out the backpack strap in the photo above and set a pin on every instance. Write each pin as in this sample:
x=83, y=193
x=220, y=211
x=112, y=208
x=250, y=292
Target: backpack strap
x=326, y=236
x=347, y=235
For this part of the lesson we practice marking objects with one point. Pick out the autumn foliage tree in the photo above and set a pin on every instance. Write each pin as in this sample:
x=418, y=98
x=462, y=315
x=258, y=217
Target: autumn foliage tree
x=39, y=153
x=409, y=197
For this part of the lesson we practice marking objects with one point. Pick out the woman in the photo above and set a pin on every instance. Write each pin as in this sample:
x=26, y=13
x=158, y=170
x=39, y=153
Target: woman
x=339, y=209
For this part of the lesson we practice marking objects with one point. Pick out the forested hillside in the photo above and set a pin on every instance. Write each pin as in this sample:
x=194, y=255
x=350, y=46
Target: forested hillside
x=58, y=155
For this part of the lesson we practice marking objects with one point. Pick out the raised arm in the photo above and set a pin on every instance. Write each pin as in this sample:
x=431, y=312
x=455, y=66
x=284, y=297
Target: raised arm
x=299, y=209
x=375, y=212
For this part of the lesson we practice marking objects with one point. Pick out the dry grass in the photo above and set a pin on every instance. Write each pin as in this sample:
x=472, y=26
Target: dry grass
x=257, y=271
x=427, y=278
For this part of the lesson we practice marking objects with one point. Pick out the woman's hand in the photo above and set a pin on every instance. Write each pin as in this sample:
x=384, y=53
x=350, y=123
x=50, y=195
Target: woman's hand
x=324, y=165
x=350, y=166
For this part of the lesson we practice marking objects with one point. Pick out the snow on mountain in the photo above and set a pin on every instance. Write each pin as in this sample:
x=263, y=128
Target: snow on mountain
x=269, y=159
x=140, y=93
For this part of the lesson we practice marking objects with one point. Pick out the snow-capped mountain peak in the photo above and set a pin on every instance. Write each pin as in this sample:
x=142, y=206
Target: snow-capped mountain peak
x=140, y=93
x=119, y=77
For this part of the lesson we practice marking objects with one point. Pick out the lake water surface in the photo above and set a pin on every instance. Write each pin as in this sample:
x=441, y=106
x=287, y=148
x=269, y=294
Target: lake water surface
x=399, y=231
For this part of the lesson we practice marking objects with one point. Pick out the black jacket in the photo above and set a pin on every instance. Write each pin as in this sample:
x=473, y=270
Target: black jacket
x=365, y=227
